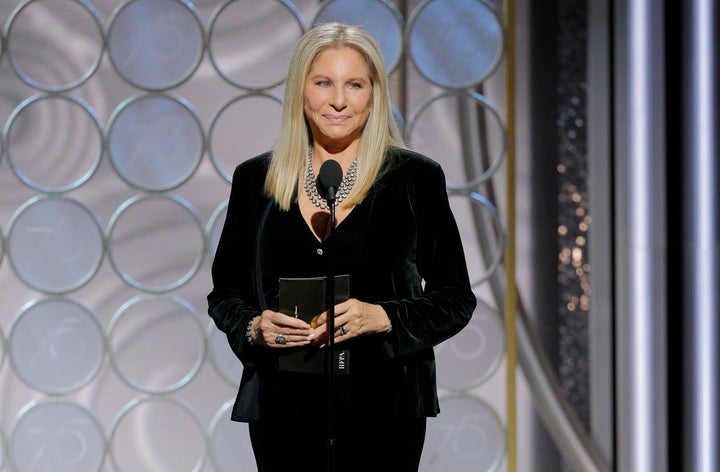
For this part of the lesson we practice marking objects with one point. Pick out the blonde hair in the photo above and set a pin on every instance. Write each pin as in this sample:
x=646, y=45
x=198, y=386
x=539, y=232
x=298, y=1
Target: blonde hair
x=291, y=146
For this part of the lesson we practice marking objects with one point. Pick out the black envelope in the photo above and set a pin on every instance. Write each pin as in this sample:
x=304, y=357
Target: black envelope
x=305, y=298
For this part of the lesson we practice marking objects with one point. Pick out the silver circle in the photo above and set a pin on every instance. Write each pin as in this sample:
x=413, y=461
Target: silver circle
x=54, y=153
x=2, y=436
x=148, y=318
x=229, y=442
x=156, y=44
x=171, y=416
x=2, y=351
x=57, y=345
x=454, y=43
x=486, y=248
x=256, y=135
x=280, y=339
x=155, y=142
x=215, y=227
x=460, y=99
x=2, y=254
x=55, y=244
x=467, y=436
x=138, y=244
x=380, y=18
x=472, y=356
x=25, y=70
x=240, y=49
x=226, y=363
x=53, y=435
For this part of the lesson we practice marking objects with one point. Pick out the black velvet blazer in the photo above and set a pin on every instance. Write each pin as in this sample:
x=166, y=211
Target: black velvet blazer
x=403, y=251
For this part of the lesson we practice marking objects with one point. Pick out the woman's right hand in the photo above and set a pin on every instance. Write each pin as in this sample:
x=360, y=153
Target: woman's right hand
x=276, y=330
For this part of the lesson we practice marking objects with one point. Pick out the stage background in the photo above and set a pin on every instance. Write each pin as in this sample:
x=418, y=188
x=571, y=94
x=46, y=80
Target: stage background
x=122, y=124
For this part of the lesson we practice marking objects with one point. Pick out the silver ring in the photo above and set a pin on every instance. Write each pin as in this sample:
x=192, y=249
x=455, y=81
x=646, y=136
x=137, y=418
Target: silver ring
x=343, y=331
x=280, y=339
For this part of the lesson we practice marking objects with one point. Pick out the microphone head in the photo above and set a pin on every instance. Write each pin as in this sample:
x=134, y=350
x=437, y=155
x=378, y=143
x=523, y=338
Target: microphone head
x=329, y=179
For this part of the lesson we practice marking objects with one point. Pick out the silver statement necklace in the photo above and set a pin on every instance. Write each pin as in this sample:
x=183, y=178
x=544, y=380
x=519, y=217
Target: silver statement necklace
x=343, y=191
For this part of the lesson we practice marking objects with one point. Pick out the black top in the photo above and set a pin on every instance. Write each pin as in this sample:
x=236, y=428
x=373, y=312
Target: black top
x=402, y=249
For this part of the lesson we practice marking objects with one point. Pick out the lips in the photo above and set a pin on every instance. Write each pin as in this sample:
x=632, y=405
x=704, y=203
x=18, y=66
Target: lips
x=336, y=119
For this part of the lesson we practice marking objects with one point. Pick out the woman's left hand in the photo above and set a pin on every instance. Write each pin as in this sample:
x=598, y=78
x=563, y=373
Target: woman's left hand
x=353, y=318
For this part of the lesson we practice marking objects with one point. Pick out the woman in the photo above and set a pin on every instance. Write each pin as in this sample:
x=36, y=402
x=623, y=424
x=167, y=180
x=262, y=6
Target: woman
x=395, y=236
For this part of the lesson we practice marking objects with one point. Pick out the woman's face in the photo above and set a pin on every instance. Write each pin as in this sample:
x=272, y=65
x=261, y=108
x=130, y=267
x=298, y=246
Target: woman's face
x=337, y=95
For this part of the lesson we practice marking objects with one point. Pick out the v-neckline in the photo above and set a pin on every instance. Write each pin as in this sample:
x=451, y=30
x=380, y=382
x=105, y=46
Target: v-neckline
x=308, y=224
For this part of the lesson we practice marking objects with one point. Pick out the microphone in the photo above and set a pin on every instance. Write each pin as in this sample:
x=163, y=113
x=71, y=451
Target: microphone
x=329, y=179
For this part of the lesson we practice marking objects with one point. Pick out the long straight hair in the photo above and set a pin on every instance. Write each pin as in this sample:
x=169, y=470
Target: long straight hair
x=290, y=150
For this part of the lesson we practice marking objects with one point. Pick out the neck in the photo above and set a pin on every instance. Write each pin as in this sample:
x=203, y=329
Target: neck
x=343, y=154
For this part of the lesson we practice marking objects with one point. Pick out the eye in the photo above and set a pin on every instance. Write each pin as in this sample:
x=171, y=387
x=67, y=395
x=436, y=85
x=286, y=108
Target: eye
x=355, y=85
x=323, y=83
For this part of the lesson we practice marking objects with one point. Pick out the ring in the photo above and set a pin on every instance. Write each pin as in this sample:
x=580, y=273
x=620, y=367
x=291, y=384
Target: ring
x=343, y=331
x=280, y=339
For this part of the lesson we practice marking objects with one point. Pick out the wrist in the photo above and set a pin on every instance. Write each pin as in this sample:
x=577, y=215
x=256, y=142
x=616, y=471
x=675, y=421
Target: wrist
x=249, y=332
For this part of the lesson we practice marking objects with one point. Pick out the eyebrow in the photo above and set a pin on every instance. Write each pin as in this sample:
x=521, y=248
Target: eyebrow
x=351, y=79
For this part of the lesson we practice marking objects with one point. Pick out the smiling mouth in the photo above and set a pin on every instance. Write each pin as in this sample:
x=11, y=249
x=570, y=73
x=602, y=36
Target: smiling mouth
x=336, y=119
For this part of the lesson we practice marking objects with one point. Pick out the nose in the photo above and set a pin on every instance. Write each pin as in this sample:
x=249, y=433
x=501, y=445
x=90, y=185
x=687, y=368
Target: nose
x=338, y=100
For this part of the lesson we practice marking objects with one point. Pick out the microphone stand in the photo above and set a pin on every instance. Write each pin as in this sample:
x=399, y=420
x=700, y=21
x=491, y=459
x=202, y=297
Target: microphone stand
x=331, y=331
x=328, y=182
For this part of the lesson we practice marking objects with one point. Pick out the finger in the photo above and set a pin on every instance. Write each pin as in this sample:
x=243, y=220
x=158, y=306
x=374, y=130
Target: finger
x=280, y=339
x=295, y=333
x=317, y=321
x=319, y=334
x=278, y=325
x=287, y=340
x=281, y=319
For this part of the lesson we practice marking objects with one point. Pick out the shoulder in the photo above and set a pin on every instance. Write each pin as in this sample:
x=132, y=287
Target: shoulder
x=257, y=163
x=247, y=186
x=410, y=164
x=252, y=170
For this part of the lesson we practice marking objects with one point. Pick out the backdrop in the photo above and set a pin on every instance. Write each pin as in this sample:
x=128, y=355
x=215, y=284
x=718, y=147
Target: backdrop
x=122, y=123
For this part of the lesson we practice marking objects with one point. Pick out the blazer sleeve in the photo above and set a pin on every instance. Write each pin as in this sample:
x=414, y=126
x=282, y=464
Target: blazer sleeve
x=447, y=302
x=233, y=301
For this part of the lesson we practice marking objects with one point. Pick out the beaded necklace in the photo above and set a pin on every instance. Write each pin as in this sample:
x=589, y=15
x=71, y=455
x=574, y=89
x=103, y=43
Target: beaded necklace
x=310, y=184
